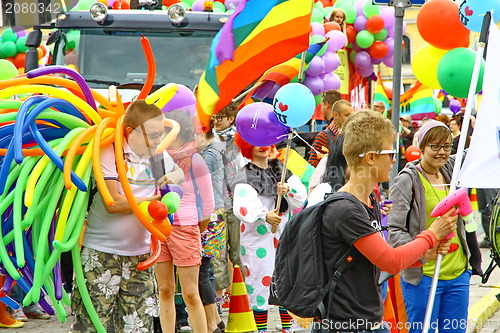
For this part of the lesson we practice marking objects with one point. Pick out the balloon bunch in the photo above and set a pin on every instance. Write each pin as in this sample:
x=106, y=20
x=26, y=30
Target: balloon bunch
x=12, y=48
x=50, y=145
x=219, y=6
x=262, y=124
x=369, y=29
x=445, y=62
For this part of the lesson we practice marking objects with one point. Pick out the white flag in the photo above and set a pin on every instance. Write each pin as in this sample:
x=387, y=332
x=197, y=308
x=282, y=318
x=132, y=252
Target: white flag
x=481, y=168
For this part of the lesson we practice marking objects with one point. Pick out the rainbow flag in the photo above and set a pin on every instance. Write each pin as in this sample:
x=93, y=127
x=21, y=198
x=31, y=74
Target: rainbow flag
x=258, y=35
x=418, y=102
x=381, y=93
x=279, y=75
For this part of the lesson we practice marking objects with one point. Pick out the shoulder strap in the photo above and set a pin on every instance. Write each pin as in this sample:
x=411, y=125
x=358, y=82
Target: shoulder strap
x=199, y=202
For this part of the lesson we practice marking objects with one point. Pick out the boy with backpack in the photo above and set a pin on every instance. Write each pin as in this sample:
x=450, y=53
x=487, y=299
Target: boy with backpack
x=340, y=250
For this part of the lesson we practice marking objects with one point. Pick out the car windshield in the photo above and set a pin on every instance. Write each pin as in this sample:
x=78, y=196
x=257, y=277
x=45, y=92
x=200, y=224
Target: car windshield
x=116, y=57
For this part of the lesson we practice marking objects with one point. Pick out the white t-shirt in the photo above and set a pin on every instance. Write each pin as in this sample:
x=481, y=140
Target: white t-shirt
x=122, y=234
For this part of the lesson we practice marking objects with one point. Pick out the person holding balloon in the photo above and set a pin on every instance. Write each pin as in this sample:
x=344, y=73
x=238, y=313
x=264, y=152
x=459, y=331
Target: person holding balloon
x=417, y=189
x=256, y=189
x=338, y=16
x=115, y=242
x=183, y=247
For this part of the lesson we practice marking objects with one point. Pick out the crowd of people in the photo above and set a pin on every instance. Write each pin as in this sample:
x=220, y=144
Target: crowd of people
x=236, y=205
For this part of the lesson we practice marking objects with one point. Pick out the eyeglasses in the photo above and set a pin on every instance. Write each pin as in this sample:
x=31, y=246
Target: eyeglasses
x=219, y=118
x=153, y=136
x=435, y=147
x=390, y=152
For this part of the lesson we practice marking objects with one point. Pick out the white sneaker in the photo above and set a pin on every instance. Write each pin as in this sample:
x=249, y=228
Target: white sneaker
x=19, y=314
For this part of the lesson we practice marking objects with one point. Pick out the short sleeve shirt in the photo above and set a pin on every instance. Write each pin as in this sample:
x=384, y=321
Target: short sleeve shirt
x=357, y=298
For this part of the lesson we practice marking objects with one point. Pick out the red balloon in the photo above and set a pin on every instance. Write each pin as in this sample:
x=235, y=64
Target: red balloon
x=375, y=24
x=439, y=24
x=157, y=210
x=331, y=26
x=351, y=33
x=412, y=153
x=19, y=60
x=121, y=4
x=378, y=50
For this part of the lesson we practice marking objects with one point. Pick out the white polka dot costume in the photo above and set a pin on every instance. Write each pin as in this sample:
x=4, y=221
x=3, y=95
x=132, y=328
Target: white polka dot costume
x=258, y=243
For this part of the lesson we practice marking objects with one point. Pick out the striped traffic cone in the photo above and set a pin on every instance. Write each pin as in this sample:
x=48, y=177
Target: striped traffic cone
x=240, y=318
x=473, y=199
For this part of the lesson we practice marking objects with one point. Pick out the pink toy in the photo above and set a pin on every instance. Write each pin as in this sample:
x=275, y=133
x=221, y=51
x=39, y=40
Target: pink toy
x=458, y=198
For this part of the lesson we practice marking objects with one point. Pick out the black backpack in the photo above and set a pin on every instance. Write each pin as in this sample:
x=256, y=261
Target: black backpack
x=300, y=280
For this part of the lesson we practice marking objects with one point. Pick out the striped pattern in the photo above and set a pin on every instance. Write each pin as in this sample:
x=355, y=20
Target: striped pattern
x=260, y=319
x=418, y=102
x=264, y=33
x=381, y=94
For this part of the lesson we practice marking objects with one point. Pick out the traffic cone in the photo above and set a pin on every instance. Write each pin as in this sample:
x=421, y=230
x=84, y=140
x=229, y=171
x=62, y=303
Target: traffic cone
x=473, y=199
x=240, y=318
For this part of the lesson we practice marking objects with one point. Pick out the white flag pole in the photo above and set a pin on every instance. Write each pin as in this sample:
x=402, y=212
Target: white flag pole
x=459, y=155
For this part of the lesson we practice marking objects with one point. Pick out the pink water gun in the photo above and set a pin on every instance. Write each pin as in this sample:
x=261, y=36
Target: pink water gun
x=458, y=198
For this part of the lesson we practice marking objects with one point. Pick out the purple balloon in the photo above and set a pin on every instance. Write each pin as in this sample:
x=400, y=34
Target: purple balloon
x=388, y=60
x=390, y=31
x=387, y=13
x=232, y=4
x=389, y=41
x=454, y=106
x=258, y=125
x=359, y=7
x=331, y=81
x=315, y=84
x=172, y=188
x=362, y=59
x=360, y=23
x=183, y=100
x=365, y=71
x=332, y=61
x=317, y=29
x=197, y=6
x=337, y=40
x=376, y=61
x=316, y=66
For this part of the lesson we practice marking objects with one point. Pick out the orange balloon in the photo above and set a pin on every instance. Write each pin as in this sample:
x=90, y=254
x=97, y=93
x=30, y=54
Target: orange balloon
x=351, y=33
x=329, y=26
x=439, y=24
x=19, y=60
x=412, y=153
x=44, y=49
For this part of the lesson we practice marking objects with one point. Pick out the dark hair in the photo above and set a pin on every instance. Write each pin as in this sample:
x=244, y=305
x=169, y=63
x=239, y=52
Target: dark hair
x=230, y=110
x=336, y=164
x=186, y=123
x=138, y=112
x=438, y=135
x=331, y=96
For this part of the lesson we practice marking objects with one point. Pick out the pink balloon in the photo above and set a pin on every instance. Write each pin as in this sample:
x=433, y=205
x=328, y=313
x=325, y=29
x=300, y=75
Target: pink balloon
x=232, y=4
x=387, y=13
x=337, y=40
x=259, y=126
x=389, y=41
x=316, y=66
x=404, y=27
x=315, y=84
x=332, y=61
x=360, y=23
x=359, y=7
x=331, y=81
x=317, y=29
x=183, y=100
x=362, y=59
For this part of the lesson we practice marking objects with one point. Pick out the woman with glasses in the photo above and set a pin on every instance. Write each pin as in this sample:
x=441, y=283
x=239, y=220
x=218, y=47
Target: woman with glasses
x=418, y=188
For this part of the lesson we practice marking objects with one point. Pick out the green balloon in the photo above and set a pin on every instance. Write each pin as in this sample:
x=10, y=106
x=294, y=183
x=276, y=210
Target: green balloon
x=316, y=39
x=364, y=39
x=8, y=35
x=382, y=35
x=349, y=10
x=370, y=10
x=21, y=48
x=322, y=50
x=7, y=70
x=327, y=11
x=189, y=2
x=455, y=72
x=438, y=105
x=317, y=99
x=318, y=5
x=317, y=15
x=219, y=7
x=85, y=4
x=172, y=200
x=2, y=55
x=185, y=5
x=9, y=49
x=230, y=11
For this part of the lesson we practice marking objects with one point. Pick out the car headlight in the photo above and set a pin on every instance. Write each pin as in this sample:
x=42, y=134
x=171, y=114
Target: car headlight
x=176, y=13
x=99, y=12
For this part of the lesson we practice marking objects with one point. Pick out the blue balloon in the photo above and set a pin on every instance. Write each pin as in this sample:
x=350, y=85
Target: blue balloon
x=472, y=12
x=294, y=104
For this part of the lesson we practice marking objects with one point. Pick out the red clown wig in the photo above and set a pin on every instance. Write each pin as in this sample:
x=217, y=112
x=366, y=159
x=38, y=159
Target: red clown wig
x=245, y=147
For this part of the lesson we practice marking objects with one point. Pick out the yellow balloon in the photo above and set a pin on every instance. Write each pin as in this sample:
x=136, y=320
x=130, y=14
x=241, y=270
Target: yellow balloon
x=164, y=94
x=425, y=63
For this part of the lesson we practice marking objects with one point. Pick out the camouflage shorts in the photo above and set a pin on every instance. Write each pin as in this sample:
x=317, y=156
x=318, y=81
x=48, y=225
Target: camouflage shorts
x=125, y=299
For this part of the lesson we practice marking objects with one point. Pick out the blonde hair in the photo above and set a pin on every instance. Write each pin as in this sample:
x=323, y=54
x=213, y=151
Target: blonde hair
x=365, y=131
x=335, y=11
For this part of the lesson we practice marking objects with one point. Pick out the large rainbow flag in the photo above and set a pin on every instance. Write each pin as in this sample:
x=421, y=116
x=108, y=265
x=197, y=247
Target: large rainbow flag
x=259, y=35
x=418, y=102
x=381, y=93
